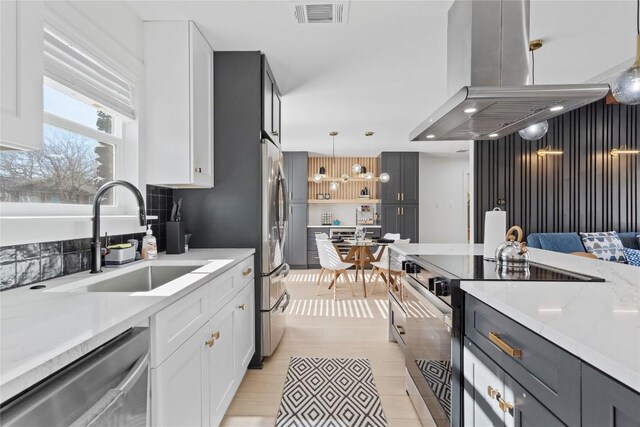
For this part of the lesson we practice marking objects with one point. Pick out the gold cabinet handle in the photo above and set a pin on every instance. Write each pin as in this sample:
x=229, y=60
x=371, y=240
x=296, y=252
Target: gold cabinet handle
x=210, y=342
x=402, y=196
x=402, y=211
x=494, y=337
x=504, y=405
x=398, y=194
x=492, y=392
x=241, y=306
x=216, y=335
x=247, y=272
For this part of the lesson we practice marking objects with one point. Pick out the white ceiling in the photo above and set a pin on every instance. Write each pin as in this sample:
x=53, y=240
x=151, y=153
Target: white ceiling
x=385, y=71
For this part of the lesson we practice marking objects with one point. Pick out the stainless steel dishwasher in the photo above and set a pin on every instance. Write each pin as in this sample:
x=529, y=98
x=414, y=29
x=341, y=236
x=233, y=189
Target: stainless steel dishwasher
x=107, y=387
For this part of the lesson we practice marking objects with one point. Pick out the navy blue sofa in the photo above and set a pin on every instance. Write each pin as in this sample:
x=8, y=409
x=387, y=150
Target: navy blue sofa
x=571, y=242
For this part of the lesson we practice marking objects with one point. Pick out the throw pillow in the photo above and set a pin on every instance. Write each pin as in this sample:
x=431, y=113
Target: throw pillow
x=633, y=256
x=605, y=245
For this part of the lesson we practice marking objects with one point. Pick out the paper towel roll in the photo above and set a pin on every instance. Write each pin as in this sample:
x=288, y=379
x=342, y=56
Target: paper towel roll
x=495, y=227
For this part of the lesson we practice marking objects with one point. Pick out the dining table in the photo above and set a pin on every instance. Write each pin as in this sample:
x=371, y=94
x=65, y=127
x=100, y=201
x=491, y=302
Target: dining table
x=361, y=255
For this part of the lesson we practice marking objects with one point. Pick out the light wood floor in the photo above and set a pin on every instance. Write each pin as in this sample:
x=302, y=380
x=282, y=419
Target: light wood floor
x=316, y=326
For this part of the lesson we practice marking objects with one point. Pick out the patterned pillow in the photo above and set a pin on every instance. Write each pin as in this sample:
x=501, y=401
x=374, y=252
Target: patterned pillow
x=605, y=245
x=633, y=256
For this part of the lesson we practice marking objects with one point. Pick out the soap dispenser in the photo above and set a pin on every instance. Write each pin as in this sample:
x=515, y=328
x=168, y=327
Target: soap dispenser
x=149, y=245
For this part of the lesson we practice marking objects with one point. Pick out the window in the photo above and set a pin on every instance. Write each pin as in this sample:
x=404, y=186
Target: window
x=75, y=159
x=86, y=109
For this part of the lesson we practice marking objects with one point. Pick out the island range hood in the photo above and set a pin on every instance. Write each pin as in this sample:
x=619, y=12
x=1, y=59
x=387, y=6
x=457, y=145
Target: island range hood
x=489, y=69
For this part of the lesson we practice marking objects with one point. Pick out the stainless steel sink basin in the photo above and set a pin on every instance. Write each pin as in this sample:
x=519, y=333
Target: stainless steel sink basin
x=140, y=280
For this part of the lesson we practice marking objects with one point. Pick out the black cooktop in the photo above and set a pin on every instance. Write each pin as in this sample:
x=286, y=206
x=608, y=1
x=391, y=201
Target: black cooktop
x=475, y=267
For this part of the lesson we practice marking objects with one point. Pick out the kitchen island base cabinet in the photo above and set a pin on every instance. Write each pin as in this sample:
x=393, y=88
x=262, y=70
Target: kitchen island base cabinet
x=606, y=402
x=493, y=398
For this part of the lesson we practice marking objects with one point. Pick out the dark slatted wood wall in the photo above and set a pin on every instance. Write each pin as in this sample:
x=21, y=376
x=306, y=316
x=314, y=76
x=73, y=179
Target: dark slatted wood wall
x=585, y=189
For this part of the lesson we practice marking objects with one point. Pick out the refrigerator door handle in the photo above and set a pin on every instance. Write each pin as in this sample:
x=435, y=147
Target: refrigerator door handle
x=286, y=304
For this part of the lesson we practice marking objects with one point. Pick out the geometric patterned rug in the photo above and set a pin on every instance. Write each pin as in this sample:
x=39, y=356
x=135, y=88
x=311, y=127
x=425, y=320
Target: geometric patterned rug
x=330, y=392
x=438, y=375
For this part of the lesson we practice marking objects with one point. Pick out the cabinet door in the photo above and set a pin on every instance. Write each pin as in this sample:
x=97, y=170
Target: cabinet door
x=267, y=99
x=526, y=410
x=21, y=71
x=297, y=237
x=391, y=219
x=606, y=402
x=409, y=180
x=409, y=222
x=275, y=119
x=222, y=363
x=483, y=381
x=180, y=385
x=390, y=191
x=201, y=88
x=244, y=327
x=299, y=177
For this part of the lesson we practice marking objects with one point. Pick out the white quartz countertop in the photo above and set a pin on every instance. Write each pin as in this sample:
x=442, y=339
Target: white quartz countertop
x=44, y=330
x=599, y=322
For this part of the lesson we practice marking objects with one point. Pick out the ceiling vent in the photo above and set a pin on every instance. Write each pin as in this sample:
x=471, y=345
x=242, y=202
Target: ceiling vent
x=314, y=12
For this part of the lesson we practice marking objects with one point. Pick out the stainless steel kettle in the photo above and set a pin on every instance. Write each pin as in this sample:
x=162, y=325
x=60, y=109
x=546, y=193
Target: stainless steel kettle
x=513, y=254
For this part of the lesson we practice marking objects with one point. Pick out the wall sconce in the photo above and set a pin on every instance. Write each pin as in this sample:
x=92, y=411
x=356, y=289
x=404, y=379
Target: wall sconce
x=548, y=151
x=623, y=150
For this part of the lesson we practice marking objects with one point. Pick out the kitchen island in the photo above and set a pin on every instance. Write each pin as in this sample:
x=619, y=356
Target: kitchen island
x=597, y=323
x=44, y=329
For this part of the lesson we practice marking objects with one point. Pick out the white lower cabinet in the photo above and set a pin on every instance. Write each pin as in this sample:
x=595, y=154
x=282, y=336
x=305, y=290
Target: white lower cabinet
x=180, y=385
x=221, y=357
x=244, y=323
x=195, y=384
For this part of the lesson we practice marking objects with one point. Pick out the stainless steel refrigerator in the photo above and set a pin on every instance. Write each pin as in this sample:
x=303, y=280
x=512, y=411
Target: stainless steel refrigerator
x=274, y=269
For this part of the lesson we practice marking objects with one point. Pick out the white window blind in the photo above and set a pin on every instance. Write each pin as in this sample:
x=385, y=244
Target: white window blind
x=77, y=70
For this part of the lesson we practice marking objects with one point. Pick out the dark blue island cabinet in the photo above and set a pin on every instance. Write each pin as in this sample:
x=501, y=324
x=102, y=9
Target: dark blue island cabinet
x=514, y=377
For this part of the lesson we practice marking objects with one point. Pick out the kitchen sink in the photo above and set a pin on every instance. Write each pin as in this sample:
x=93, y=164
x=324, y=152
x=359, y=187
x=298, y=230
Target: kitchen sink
x=140, y=280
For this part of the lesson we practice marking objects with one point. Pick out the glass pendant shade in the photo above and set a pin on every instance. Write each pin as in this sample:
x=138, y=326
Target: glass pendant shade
x=626, y=88
x=535, y=131
x=384, y=177
x=317, y=178
x=356, y=168
x=368, y=176
x=334, y=186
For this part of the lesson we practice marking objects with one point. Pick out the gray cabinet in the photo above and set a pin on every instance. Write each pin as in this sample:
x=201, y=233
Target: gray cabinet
x=270, y=103
x=295, y=171
x=548, y=372
x=403, y=170
x=606, y=402
x=295, y=249
x=400, y=218
x=493, y=398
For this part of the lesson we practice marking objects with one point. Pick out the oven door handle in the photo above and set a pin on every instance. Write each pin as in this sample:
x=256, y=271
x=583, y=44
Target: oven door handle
x=425, y=296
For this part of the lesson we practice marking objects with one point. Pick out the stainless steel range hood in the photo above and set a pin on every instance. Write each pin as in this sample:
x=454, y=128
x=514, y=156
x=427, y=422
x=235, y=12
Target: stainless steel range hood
x=488, y=58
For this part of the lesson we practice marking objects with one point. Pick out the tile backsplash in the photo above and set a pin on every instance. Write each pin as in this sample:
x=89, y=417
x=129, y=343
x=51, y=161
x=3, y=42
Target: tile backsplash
x=30, y=263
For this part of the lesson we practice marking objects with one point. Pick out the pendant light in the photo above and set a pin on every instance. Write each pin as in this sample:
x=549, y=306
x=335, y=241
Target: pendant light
x=334, y=184
x=626, y=88
x=536, y=130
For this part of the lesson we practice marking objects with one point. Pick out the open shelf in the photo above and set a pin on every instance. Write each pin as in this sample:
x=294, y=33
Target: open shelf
x=350, y=201
x=349, y=191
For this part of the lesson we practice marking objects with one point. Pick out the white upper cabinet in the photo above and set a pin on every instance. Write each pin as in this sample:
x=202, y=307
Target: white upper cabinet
x=179, y=105
x=21, y=70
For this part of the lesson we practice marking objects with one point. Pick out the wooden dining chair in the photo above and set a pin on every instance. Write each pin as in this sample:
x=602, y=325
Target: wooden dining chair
x=331, y=262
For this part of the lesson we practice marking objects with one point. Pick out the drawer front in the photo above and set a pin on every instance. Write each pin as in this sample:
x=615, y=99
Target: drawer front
x=606, y=402
x=551, y=374
x=227, y=285
x=313, y=258
x=244, y=274
x=175, y=324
